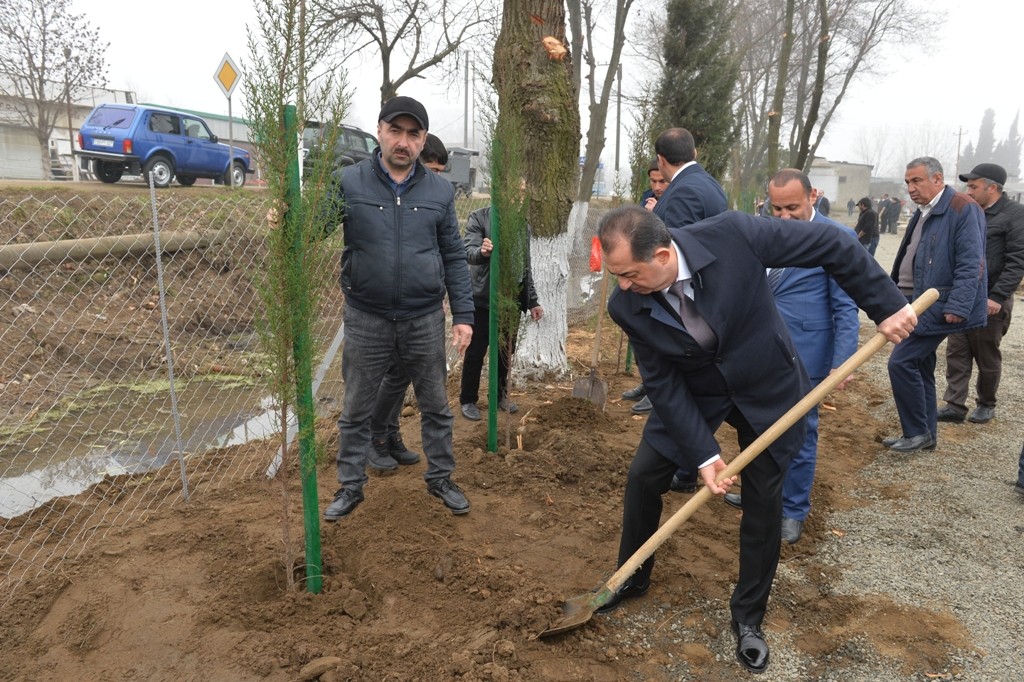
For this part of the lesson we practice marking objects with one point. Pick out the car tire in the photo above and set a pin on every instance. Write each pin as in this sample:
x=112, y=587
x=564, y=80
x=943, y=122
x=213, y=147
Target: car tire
x=161, y=170
x=107, y=172
x=239, y=172
x=185, y=180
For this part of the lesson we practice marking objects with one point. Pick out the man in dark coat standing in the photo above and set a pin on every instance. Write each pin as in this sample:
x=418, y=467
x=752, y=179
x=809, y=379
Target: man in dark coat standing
x=1004, y=258
x=731, y=361
x=692, y=193
x=943, y=248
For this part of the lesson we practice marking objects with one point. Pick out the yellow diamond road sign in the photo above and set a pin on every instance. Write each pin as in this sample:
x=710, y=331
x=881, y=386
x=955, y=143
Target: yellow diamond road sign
x=227, y=75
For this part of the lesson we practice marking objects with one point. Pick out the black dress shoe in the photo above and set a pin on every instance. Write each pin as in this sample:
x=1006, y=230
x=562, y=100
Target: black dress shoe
x=792, y=529
x=889, y=442
x=627, y=591
x=922, y=442
x=682, y=485
x=345, y=500
x=450, y=494
x=751, y=649
x=642, y=407
x=734, y=500
x=982, y=414
x=950, y=414
x=634, y=393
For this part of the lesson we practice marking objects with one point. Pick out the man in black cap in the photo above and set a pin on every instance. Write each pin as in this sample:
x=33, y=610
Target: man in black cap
x=1004, y=258
x=403, y=251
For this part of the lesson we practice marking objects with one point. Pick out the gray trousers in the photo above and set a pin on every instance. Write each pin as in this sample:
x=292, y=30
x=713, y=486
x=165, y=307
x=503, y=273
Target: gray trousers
x=979, y=346
x=372, y=345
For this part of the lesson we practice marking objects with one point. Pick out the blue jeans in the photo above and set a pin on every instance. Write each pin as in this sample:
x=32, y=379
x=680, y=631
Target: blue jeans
x=373, y=344
x=872, y=245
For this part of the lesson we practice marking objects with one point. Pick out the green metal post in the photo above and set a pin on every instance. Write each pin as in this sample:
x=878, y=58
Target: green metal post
x=302, y=353
x=494, y=347
x=629, y=358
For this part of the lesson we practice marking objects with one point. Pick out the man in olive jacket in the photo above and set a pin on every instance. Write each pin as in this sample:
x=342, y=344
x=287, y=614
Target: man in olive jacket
x=403, y=252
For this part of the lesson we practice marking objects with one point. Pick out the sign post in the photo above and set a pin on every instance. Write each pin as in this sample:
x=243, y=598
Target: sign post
x=227, y=76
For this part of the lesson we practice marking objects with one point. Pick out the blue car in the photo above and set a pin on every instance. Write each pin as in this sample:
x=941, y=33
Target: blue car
x=162, y=144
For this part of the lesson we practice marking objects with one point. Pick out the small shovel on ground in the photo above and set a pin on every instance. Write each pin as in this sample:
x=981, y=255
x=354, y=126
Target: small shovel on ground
x=578, y=610
x=593, y=387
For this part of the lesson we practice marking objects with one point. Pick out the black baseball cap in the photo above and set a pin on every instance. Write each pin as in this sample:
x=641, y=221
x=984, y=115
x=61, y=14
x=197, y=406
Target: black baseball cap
x=990, y=171
x=404, y=106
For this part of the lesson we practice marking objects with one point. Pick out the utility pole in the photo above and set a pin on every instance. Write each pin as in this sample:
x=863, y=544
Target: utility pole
x=465, y=114
x=71, y=128
x=959, y=136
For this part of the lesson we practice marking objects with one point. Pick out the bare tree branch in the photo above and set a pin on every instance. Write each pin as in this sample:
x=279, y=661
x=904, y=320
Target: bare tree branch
x=420, y=35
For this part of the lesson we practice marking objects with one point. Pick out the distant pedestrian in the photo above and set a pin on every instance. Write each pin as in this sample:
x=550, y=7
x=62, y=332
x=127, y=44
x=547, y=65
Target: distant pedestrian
x=850, y=205
x=867, y=225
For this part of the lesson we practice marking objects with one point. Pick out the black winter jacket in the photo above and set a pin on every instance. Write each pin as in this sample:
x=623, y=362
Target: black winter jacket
x=402, y=253
x=1004, y=248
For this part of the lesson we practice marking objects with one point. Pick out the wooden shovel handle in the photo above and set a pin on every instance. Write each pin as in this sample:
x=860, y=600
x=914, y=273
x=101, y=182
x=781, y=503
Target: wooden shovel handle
x=601, y=306
x=783, y=423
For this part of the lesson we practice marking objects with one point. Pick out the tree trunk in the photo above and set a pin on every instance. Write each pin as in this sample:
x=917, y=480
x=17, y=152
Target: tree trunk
x=539, y=128
x=804, y=153
x=775, y=115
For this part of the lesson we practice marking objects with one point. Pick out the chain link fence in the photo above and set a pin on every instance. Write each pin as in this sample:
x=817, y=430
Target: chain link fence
x=99, y=425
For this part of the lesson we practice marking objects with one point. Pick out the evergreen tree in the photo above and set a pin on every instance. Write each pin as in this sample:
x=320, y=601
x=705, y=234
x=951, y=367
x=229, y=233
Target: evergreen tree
x=1007, y=153
x=967, y=159
x=986, y=146
x=699, y=78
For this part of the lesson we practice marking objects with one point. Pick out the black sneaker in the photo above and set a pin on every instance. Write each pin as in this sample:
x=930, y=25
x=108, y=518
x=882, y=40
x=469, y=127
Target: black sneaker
x=450, y=494
x=379, y=459
x=396, y=448
x=345, y=500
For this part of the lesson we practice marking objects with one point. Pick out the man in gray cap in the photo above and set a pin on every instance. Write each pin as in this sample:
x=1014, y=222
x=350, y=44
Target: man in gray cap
x=403, y=251
x=1004, y=257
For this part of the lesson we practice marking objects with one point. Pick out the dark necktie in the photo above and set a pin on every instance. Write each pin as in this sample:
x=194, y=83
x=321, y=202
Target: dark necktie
x=694, y=323
x=774, y=275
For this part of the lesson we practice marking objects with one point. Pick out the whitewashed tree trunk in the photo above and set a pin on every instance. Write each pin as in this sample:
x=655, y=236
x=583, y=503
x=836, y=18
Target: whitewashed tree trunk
x=541, y=350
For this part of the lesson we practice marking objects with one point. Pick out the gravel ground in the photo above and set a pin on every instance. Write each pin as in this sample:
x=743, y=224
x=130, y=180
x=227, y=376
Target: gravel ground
x=940, y=531
x=953, y=543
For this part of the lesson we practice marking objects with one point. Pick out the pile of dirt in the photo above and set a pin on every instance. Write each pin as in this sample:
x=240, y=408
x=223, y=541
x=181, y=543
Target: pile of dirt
x=412, y=592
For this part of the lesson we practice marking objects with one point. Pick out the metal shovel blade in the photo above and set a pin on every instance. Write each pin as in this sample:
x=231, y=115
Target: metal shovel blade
x=592, y=388
x=577, y=611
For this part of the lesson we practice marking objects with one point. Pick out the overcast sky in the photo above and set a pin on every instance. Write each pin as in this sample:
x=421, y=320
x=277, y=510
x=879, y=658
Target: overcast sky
x=976, y=64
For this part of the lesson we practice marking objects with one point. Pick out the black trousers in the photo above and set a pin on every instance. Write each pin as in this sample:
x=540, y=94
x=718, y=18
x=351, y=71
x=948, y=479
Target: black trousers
x=473, y=362
x=760, y=527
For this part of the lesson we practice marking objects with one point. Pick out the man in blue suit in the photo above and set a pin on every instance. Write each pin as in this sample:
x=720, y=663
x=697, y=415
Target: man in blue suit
x=823, y=323
x=731, y=361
